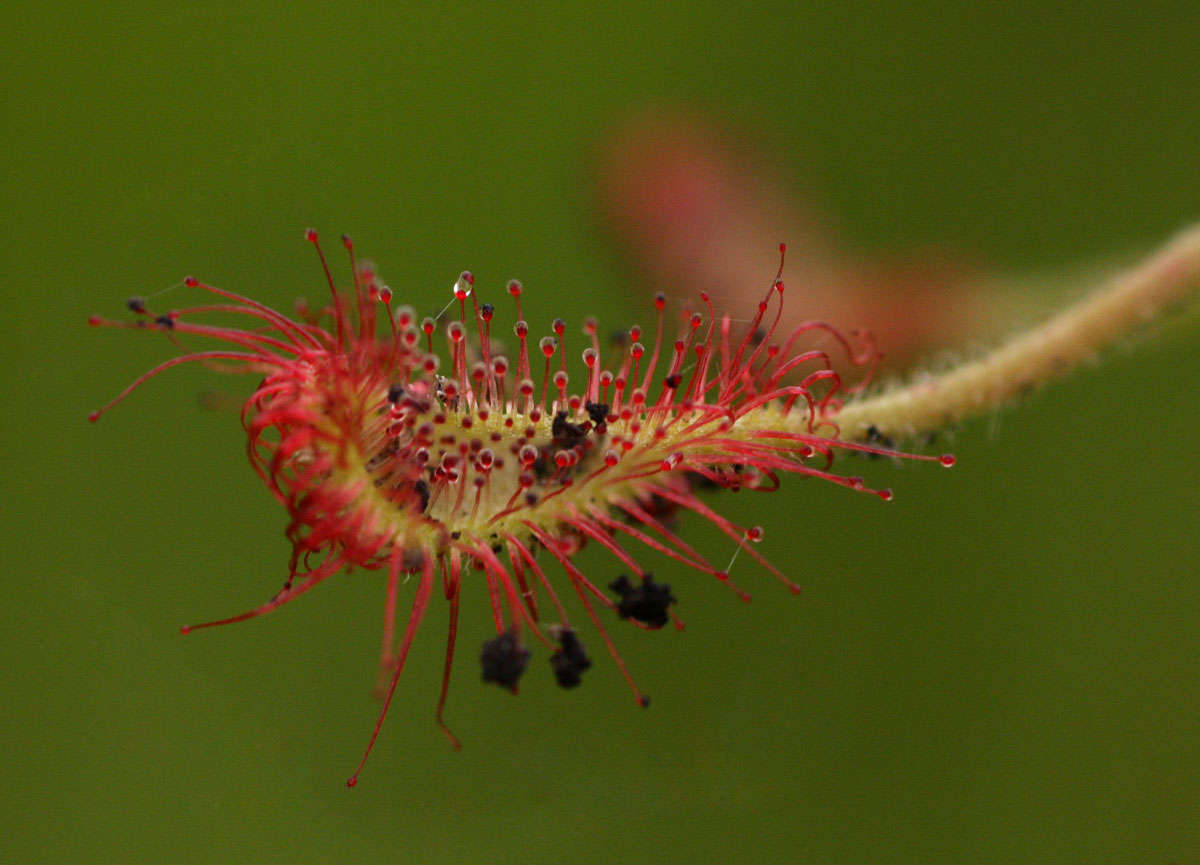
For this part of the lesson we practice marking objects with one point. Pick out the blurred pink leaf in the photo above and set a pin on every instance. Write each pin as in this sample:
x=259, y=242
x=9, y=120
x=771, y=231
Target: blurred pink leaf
x=699, y=211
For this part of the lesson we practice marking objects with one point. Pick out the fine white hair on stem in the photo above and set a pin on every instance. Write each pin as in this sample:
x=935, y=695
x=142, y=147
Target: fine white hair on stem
x=1169, y=276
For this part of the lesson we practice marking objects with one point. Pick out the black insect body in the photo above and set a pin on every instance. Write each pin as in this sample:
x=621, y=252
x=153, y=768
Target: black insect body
x=597, y=411
x=566, y=434
x=570, y=660
x=504, y=660
x=646, y=603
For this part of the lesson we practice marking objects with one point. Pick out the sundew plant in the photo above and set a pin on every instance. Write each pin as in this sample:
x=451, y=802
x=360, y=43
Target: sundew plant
x=470, y=447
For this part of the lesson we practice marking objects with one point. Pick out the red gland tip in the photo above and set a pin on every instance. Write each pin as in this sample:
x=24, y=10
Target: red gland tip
x=95, y=320
x=947, y=460
x=310, y=234
x=352, y=782
x=94, y=416
x=347, y=242
x=191, y=281
x=185, y=629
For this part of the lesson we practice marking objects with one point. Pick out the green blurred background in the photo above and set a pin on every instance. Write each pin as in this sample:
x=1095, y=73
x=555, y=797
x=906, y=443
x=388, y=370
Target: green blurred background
x=1000, y=666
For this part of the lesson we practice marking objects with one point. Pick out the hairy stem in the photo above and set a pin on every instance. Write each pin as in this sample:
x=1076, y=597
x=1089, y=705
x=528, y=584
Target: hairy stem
x=1130, y=299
